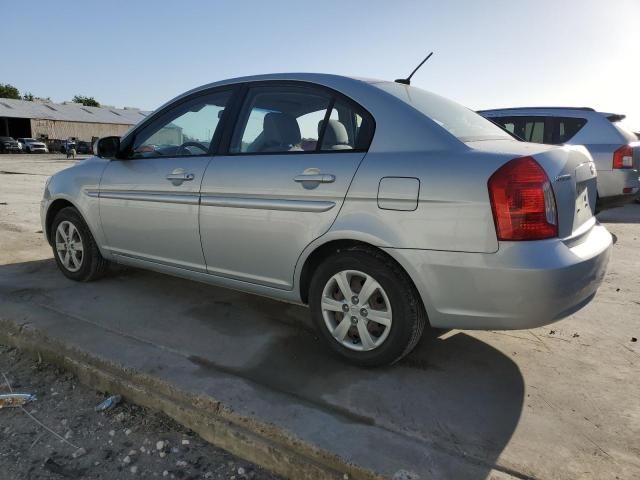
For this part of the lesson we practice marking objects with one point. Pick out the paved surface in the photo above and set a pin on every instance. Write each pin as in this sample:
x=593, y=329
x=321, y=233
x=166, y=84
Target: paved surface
x=557, y=402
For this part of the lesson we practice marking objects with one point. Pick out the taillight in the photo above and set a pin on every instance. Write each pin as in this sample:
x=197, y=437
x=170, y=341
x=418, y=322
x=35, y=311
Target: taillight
x=522, y=201
x=623, y=157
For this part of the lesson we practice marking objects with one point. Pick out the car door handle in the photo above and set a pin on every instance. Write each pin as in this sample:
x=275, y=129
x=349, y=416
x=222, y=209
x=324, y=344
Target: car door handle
x=180, y=177
x=315, y=177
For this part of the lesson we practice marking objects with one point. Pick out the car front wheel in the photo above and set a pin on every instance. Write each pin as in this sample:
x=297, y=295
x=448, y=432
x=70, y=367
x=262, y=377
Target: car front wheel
x=74, y=248
x=366, y=308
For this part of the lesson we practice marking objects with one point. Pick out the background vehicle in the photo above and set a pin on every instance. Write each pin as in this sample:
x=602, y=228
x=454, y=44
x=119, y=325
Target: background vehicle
x=84, y=148
x=383, y=207
x=615, y=149
x=31, y=145
x=9, y=145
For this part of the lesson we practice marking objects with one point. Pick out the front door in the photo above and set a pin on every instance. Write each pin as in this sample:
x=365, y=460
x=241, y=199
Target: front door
x=291, y=158
x=149, y=200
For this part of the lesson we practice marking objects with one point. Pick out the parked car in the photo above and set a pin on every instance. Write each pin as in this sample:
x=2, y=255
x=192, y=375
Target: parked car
x=408, y=211
x=31, y=145
x=614, y=148
x=84, y=148
x=9, y=145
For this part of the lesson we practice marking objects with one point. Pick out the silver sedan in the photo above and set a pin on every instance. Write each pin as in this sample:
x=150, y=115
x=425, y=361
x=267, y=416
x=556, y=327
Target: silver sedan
x=384, y=208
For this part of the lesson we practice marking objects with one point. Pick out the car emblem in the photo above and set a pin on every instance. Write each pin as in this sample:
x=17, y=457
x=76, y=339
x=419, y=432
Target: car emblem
x=562, y=178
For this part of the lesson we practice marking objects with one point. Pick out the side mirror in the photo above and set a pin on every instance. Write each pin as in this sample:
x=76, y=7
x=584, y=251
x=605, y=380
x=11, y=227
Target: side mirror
x=107, y=147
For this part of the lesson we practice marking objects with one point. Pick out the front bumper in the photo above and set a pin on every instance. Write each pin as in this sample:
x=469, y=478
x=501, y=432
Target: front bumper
x=522, y=285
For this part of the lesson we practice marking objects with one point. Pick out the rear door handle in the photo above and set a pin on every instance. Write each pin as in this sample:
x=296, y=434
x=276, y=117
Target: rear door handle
x=315, y=177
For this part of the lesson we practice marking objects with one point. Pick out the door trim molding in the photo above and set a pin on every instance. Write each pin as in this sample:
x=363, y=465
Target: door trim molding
x=180, y=198
x=267, y=203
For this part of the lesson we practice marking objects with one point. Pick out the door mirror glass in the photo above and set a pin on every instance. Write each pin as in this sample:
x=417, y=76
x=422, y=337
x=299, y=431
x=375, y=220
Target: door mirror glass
x=107, y=147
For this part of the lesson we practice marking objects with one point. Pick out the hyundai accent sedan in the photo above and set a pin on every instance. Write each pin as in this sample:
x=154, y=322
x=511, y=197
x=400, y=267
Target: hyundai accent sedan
x=384, y=208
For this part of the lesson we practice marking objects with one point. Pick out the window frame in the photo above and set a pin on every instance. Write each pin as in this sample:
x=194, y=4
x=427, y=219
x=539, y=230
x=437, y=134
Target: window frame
x=164, y=114
x=334, y=95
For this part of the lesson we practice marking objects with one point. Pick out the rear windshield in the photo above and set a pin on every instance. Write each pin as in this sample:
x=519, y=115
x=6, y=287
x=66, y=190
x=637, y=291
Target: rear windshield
x=625, y=131
x=460, y=121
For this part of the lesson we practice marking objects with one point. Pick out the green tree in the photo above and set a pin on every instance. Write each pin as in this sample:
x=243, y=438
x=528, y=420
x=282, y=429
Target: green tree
x=86, y=101
x=9, y=91
x=28, y=96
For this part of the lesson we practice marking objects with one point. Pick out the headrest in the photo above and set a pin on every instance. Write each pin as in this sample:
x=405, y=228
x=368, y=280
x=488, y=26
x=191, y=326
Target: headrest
x=335, y=136
x=280, y=129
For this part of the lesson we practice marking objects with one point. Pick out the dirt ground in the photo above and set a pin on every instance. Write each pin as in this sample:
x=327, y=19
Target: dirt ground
x=119, y=443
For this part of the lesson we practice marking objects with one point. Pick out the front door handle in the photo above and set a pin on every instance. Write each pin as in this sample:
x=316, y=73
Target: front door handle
x=179, y=175
x=315, y=178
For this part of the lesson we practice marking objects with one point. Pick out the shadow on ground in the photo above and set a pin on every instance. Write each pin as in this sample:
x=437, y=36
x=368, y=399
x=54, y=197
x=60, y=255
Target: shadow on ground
x=453, y=394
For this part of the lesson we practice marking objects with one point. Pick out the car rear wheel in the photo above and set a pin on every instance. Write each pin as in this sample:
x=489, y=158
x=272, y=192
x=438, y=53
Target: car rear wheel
x=366, y=308
x=74, y=248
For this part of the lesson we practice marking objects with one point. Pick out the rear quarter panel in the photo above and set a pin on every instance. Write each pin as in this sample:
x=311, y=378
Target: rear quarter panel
x=453, y=211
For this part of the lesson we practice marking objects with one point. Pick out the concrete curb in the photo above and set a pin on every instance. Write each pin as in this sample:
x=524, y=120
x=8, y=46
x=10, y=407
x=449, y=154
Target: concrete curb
x=263, y=444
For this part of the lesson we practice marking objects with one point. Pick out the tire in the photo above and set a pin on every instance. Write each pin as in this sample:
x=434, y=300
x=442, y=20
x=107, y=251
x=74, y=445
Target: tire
x=406, y=316
x=82, y=267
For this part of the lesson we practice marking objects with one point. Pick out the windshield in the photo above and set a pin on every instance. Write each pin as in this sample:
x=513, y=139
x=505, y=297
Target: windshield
x=30, y=140
x=460, y=121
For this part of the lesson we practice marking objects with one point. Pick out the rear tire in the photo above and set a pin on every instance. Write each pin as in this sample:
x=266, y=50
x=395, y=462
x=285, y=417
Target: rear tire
x=381, y=327
x=74, y=248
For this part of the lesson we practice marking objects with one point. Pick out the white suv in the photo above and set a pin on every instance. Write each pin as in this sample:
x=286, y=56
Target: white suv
x=614, y=148
x=31, y=145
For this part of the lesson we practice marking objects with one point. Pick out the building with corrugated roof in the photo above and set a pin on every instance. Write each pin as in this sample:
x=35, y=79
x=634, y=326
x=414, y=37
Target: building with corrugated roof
x=62, y=121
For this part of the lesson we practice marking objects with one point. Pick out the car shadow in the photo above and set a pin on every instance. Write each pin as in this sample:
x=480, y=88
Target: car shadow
x=454, y=393
x=630, y=213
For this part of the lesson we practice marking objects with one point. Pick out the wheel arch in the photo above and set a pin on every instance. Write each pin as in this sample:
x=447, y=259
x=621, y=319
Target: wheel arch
x=324, y=250
x=53, y=209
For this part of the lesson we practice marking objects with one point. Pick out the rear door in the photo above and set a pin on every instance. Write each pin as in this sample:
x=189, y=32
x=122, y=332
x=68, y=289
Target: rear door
x=149, y=200
x=290, y=160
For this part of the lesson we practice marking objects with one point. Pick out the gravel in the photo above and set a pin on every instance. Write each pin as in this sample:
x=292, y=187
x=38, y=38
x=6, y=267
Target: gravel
x=126, y=441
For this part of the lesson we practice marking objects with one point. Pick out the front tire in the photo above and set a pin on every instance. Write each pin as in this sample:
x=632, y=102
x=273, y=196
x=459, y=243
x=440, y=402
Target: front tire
x=365, y=307
x=74, y=248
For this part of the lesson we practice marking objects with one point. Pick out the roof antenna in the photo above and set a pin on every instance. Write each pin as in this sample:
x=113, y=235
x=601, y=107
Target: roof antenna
x=407, y=81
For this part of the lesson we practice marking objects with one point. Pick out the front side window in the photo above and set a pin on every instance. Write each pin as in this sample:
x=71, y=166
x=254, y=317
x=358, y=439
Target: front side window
x=299, y=119
x=187, y=130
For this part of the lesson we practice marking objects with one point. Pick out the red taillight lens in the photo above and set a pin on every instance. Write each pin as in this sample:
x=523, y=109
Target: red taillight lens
x=523, y=204
x=623, y=157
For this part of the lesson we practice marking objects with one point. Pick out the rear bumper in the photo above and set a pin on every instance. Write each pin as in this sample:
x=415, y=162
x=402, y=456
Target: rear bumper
x=523, y=285
x=611, y=183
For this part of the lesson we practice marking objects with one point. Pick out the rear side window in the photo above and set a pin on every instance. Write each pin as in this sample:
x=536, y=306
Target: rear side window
x=566, y=128
x=541, y=129
x=299, y=119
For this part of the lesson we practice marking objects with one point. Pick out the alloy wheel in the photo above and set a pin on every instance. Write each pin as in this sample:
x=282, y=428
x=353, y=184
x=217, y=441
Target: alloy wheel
x=356, y=310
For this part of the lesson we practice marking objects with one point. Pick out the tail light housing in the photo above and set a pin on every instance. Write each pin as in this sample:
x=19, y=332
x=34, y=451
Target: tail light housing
x=522, y=201
x=623, y=157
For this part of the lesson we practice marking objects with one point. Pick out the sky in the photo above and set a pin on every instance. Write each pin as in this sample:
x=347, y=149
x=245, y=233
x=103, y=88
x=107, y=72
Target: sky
x=488, y=54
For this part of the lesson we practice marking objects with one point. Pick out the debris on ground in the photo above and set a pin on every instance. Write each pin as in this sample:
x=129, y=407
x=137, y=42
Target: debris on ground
x=16, y=399
x=109, y=403
x=33, y=443
x=634, y=339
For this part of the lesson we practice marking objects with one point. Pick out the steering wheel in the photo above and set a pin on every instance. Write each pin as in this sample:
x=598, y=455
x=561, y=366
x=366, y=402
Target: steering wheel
x=202, y=147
